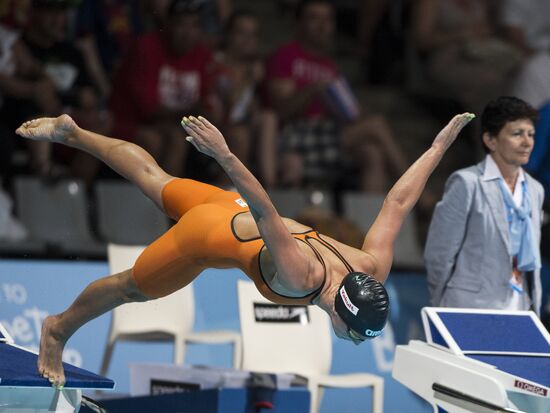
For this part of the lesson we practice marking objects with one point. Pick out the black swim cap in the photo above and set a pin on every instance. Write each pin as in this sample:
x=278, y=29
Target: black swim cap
x=363, y=303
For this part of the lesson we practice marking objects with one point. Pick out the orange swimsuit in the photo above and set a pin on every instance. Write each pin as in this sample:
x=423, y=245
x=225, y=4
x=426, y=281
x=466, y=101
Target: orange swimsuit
x=204, y=238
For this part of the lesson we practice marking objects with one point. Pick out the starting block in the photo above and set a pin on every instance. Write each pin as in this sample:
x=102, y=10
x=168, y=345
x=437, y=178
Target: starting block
x=478, y=361
x=22, y=389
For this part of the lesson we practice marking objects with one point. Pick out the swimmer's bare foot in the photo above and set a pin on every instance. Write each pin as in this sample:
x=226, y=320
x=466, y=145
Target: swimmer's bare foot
x=60, y=129
x=448, y=134
x=51, y=349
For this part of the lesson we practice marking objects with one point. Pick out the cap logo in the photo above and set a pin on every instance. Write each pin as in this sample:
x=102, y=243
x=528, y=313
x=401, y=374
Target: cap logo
x=372, y=333
x=347, y=302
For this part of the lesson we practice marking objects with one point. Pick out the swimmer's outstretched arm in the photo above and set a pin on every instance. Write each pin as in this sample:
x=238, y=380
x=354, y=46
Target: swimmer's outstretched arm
x=294, y=270
x=404, y=195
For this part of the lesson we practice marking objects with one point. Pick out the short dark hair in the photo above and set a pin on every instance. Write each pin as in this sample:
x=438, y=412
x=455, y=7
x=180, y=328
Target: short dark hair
x=305, y=3
x=502, y=110
x=178, y=7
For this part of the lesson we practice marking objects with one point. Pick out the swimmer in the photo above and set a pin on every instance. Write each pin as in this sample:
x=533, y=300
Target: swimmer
x=288, y=262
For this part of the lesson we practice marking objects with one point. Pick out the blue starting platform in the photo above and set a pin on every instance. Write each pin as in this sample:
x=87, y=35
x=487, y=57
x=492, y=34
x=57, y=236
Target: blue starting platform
x=23, y=389
x=478, y=361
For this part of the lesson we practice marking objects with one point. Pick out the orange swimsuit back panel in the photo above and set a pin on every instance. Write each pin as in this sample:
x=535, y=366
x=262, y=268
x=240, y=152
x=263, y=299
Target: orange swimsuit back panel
x=202, y=238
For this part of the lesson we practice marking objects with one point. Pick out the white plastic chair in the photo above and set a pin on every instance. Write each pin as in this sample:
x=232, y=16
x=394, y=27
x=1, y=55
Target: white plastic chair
x=57, y=214
x=304, y=349
x=363, y=208
x=166, y=319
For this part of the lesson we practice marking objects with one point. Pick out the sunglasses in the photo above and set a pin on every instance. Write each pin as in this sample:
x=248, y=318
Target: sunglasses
x=356, y=338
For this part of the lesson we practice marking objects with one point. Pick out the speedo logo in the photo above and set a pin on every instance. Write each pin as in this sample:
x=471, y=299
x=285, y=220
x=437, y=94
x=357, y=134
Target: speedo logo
x=347, y=302
x=541, y=391
x=273, y=313
x=372, y=333
x=241, y=203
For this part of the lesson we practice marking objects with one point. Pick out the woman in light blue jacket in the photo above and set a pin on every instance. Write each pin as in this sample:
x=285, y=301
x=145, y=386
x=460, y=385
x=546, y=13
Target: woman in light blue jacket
x=483, y=243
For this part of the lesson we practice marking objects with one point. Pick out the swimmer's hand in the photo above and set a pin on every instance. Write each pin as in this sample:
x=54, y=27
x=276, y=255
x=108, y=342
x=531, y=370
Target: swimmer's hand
x=448, y=134
x=205, y=137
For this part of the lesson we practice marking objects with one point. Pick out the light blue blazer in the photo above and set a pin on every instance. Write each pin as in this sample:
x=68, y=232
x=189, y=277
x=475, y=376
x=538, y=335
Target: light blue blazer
x=467, y=252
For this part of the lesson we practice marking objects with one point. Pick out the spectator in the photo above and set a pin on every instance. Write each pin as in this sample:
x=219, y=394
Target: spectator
x=15, y=14
x=527, y=26
x=21, y=77
x=462, y=52
x=46, y=38
x=215, y=15
x=105, y=30
x=153, y=14
x=483, y=244
x=165, y=74
x=374, y=31
x=369, y=14
x=313, y=141
x=239, y=74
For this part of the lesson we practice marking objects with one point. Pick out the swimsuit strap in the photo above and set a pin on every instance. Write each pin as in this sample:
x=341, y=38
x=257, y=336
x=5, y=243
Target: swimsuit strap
x=315, y=235
x=306, y=237
x=321, y=260
x=333, y=249
x=301, y=236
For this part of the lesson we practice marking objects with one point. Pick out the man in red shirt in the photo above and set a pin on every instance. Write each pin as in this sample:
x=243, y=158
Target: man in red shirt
x=165, y=74
x=315, y=142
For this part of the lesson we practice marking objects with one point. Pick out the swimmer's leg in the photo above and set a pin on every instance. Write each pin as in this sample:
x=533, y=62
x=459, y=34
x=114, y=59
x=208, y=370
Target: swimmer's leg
x=97, y=298
x=126, y=158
